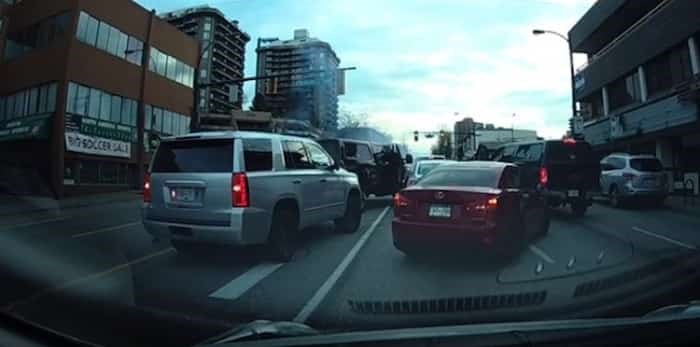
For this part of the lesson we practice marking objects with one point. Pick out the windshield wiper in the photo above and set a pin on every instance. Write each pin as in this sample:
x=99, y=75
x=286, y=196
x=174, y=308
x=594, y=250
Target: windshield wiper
x=262, y=329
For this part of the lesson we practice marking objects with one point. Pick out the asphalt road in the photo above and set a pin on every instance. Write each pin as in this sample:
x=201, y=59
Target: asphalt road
x=102, y=252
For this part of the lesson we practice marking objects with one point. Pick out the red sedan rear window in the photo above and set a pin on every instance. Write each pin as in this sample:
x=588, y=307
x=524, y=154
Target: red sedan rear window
x=468, y=177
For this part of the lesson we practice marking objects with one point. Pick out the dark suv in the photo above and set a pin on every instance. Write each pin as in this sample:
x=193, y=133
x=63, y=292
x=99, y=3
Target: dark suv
x=379, y=168
x=564, y=170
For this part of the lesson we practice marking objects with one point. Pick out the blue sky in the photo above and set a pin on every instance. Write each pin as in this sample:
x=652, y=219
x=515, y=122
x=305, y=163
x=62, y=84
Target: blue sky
x=421, y=61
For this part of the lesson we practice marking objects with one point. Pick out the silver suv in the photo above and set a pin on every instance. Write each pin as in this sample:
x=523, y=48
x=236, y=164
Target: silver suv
x=627, y=176
x=245, y=188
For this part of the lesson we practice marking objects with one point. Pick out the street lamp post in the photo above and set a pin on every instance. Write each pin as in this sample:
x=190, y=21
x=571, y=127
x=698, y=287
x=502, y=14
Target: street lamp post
x=571, y=66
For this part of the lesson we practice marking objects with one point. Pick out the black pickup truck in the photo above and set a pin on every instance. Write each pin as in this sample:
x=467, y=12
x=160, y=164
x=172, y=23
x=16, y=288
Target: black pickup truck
x=566, y=171
x=379, y=168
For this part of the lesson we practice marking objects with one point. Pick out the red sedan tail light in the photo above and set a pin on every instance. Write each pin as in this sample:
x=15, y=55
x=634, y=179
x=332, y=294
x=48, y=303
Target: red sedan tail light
x=400, y=201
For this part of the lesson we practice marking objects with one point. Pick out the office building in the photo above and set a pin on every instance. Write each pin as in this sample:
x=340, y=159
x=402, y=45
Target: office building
x=222, y=59
x=309, y=88
x=638, y=91
x=468, y=135
x=85, y=85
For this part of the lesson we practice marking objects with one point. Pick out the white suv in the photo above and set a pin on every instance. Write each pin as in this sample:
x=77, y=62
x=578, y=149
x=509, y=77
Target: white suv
x=627, y=176
x=245, y=188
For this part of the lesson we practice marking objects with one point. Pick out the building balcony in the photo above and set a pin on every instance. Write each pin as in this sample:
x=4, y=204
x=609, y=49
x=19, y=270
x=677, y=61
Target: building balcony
x=639, y=43
x=658, y=114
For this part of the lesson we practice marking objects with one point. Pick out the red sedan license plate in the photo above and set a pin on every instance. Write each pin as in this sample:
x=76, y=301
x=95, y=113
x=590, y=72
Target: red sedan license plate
x=440, y=211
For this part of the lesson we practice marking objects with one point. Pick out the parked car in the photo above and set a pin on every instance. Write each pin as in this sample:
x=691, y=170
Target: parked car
x=246, y=188
x=422, y=167
x=355, y=156
x=478, y=203
x=626, y=177
x=564, y=170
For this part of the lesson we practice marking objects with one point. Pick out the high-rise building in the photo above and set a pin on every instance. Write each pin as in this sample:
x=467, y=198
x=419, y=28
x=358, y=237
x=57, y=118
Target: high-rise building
x=309, y=86
x=222, y=56
x=83, y=86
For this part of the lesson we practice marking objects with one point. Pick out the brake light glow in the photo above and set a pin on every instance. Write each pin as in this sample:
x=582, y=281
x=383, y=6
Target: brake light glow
x=240, y=195
x=569, y=141
x=400, y=200
x=544, y=176
x=493, y=202
x=147, y=196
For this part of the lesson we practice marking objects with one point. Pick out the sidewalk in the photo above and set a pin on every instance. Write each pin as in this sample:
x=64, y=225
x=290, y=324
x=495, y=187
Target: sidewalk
x=691, y=204
x=13, y=204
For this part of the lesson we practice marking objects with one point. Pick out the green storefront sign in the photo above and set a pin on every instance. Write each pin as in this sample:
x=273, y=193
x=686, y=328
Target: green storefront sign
x=34, y=127
x=104, y=129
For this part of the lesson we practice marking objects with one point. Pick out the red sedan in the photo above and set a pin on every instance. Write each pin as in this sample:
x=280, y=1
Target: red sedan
x=478, y=203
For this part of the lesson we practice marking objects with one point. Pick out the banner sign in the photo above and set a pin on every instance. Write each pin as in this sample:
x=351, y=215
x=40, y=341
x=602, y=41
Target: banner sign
x=76, y=142
x=34, y=127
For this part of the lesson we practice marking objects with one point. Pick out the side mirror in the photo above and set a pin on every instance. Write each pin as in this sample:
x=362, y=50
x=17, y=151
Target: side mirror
x=409, y=159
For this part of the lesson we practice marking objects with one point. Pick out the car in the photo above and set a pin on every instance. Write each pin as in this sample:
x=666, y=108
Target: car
x=246, y=188
x=423, y=167
x=566, y=171
x=355, y=156
x=625, y=177
x=476, y=204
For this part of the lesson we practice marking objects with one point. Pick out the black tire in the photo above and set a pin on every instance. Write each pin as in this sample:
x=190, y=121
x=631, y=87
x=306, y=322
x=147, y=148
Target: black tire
x=578, y=208
x=283, y=230
x=615, y=200
x=350, y=222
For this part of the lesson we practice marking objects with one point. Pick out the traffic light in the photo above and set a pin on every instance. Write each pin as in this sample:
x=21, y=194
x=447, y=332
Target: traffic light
x=415, y=136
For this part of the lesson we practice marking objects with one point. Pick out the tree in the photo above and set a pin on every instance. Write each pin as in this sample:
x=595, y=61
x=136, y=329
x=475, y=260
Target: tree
x=444, y=145
x=350, y=119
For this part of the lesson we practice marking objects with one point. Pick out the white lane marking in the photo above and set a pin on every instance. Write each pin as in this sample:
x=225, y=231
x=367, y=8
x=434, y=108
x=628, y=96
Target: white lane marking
x=540, y=253
x=104, y=230
x=667, y=239
x=241, y=284
x=326, y=287
x=81, y=280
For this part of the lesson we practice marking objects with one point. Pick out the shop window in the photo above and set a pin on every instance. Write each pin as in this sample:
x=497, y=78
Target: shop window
x=89, y=172
x=103, y=36
x=105, y=106
x=82, y=100
x=94, y=106
x=116, y=109
x=148, y=117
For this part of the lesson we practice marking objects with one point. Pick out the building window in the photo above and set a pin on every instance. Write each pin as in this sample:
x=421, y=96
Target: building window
x=624, y=91
x=27, y=103
x=166, y=122
x=39, y=35
x=668, y=69
x=109, y=39
x=134, y=50
x=103, y=36
x=171, y=68
x=95, y=103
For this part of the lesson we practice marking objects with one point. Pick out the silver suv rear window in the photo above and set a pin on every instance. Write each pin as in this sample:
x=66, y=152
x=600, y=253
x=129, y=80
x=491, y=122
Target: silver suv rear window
x=194, y=156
